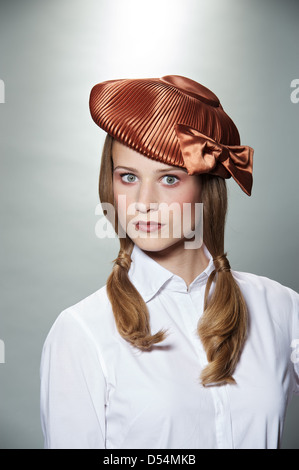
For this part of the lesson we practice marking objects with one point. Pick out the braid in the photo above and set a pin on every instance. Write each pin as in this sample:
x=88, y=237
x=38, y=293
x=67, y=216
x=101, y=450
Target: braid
x=223, y=325
x=221, y=263
x=123, y=260
x=129, y=309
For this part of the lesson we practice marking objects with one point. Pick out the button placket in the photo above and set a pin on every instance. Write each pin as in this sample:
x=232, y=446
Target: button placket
x=192, y=320
x=222, y=417
x=219, y=393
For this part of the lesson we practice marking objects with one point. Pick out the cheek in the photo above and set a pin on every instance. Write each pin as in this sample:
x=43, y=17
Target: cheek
x=121, y=196
x=124, y=203
x=187, y=195
x=192, y=192
x=116, y=190
x=119, y=201
x=186, y=213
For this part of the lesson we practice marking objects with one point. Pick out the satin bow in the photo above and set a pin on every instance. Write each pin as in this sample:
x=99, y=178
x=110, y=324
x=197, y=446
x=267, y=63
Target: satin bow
x=202, y=154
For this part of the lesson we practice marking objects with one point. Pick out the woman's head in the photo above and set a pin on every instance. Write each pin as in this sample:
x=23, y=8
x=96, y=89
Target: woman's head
x=177, y=123
x=158, y=204
x=142, y=189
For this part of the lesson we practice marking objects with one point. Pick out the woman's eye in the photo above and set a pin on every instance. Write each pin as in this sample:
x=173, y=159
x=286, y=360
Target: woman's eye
x=170, y=179
x=128, y=178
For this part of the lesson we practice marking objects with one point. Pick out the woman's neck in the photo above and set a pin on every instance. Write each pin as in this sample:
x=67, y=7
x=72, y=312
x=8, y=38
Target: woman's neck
x=186, y=263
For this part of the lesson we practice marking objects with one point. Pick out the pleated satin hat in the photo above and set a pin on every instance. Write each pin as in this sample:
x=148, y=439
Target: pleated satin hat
x=174, y=120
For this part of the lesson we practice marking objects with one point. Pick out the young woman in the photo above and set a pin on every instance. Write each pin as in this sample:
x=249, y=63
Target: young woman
x=177, y=351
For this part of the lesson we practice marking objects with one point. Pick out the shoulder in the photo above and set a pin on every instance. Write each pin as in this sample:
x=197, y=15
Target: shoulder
x=262, y=285
x=263, y=294
x=84, y=322
x=93, y=309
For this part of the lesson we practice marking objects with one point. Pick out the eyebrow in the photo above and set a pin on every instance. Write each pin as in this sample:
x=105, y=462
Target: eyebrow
x=164, y=170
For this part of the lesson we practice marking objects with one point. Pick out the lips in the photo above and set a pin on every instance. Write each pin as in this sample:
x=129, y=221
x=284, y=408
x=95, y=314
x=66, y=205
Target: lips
x=148, y=226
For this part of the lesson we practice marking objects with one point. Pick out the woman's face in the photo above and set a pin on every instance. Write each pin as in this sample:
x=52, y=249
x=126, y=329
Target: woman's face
x=155, y=202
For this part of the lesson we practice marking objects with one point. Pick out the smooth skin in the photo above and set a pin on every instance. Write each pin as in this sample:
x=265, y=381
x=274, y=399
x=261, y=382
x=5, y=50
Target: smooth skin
x=149, y=197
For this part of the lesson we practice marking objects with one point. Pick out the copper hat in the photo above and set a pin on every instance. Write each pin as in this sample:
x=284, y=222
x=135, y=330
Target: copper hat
x=175, y=120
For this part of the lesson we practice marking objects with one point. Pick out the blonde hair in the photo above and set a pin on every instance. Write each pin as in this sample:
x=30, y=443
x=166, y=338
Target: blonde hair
x=223, y=325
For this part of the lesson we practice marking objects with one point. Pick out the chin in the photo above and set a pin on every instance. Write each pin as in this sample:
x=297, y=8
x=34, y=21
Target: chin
x=157, y=245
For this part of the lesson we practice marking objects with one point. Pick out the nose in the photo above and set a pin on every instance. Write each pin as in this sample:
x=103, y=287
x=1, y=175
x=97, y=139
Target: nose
x=146, y=198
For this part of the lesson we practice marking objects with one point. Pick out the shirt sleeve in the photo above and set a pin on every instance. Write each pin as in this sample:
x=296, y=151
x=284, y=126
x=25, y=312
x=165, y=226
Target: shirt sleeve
x=73, y=387
x=295, y=340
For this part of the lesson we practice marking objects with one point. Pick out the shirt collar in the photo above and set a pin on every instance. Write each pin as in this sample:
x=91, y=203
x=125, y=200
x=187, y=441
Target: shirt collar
x=148, y=276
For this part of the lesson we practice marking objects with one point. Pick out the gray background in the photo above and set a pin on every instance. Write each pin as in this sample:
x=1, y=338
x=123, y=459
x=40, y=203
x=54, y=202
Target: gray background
x=51, y=54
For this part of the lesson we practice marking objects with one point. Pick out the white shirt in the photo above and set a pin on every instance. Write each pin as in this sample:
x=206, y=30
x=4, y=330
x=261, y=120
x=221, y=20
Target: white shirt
x=97, y=391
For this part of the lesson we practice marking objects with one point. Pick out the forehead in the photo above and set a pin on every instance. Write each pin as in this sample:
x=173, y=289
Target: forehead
x=127, y=157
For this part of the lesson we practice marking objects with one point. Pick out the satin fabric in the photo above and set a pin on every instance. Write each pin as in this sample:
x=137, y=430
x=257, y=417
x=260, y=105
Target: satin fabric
x=143, y=114
x=202, y=154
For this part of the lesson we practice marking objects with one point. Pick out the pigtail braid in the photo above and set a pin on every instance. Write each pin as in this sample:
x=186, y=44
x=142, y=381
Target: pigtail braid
x=130, y=310
x=223, y=325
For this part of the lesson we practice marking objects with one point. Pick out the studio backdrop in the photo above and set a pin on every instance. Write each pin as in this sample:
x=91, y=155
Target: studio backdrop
x=51, y=55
